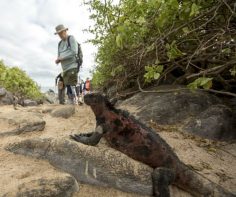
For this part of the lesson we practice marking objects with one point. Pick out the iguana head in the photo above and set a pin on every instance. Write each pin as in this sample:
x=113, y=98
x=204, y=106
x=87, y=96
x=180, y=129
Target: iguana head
x=98, y=103
x=94, y=99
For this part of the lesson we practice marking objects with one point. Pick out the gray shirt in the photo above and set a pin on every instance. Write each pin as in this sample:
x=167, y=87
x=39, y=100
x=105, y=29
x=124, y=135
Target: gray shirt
x=68, y=54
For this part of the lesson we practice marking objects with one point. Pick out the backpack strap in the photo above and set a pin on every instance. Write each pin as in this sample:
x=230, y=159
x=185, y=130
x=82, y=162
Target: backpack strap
x=58, y=47
x=68, y=41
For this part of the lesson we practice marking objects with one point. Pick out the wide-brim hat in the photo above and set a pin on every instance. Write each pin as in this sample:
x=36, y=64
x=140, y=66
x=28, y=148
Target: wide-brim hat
x=60, y=28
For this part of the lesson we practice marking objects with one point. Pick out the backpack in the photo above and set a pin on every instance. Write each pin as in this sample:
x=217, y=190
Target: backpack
x=79, y=55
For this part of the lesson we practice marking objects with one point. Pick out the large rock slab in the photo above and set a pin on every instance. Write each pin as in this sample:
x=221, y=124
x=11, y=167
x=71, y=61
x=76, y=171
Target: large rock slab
x=199, y=112
x=63, y=111
x=59, y=186
x=168, y=108
x=100, y=166
x=17, y=122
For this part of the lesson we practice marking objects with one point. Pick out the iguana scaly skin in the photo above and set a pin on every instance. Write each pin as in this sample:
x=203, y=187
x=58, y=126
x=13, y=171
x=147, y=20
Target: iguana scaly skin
x=126, y=134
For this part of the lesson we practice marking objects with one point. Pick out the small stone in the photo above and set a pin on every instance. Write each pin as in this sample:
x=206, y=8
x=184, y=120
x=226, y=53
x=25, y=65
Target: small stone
x=63, y=111
x=28, y=102
x=2, y=92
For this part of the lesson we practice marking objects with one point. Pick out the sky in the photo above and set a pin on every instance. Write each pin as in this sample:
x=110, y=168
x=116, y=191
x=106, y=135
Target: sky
x=27, y=37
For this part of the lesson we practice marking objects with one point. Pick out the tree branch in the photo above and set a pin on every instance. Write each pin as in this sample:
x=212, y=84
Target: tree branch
x=180, y=89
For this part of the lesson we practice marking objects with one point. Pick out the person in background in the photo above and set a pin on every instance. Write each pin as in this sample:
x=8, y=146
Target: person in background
x=79, y=91
x=78, y=86
x=67, y=52
x=61, y=89
x=87, y=86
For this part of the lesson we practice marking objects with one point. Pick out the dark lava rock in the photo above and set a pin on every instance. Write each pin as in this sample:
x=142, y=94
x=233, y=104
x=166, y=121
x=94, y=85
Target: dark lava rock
x=6, y=98
x=216, y=122
x=197, y=112
x=29, y=102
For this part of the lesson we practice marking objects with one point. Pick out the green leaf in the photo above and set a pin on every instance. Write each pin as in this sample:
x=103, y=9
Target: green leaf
x=139, y=1
x=194, y=9
x=119, y=41
x=207, y=85
x=174, y=4
x=233, y=71
x=173, y=51
x=153, y=72
x=192, y=86
x=185, y=30
x=150, y=48
x=141, y=20
x=148, y=68
x=204, y=82
x=226, y=50
x=156, y=75
x=117, y=70
x=159, y=68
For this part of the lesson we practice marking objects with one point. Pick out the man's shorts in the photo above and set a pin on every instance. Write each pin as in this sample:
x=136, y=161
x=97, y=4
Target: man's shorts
x=70, y=77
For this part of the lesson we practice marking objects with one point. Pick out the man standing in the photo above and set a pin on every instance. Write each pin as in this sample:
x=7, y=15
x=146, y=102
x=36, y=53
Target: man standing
x=67, y=52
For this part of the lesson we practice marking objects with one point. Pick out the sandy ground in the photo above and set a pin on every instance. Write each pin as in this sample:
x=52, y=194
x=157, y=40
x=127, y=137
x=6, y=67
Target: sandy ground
x=216, y=161
x=17, y=169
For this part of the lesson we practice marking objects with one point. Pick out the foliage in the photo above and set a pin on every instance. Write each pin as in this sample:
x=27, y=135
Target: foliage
x=188, y=39
x=152, y=72
x=204, y=82
x=18, y=82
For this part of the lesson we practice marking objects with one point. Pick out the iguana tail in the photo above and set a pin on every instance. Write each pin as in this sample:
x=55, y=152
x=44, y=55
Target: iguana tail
x=198, y=185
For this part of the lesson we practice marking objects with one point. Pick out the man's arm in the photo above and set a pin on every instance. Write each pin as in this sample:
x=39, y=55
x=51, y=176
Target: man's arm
x=71, y=51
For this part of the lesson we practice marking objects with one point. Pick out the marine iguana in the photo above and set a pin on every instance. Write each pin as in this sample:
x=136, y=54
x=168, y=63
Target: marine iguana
x=126, y=134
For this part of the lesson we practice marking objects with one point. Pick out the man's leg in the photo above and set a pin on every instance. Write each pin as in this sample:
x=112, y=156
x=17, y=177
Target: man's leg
x=63, y=95
x=69, y=92
x=73, y=78
x=77, y=90
x=60, y=96
x=74, y=97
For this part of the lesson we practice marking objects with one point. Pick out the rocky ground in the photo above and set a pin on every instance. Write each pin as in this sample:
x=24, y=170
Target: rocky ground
x=37, y=158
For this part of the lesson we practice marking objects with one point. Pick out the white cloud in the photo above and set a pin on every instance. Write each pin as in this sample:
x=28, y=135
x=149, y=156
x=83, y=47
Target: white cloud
x=27, y=35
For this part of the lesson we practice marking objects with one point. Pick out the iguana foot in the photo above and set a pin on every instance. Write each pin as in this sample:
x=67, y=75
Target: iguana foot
x=162, y=178
x=81, y=137
x=75, y=137
x=84, y=134
x=88, y=139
